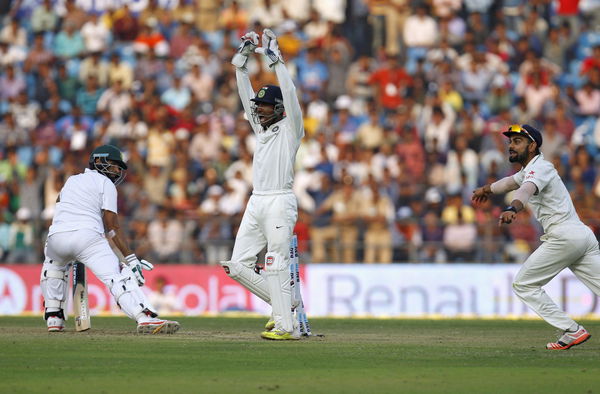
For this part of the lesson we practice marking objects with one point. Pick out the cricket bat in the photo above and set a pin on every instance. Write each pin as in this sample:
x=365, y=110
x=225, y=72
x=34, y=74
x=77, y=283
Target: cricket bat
x=80, y=298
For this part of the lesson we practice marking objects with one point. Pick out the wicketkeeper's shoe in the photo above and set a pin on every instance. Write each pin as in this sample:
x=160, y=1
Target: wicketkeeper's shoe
x=279, y=335
x=270, y=324
x=157, y=326
x=55, y=324
x=570, y=339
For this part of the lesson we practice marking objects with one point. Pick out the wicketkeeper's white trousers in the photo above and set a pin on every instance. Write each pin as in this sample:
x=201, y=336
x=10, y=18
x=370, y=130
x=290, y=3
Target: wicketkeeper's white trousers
x=572, y=246
x=269, y=220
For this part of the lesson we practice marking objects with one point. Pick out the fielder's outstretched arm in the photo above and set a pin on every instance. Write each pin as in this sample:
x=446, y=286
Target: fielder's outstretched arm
x=503, y=185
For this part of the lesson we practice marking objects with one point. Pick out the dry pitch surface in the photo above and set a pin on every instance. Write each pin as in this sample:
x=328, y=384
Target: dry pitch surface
x=226, y=355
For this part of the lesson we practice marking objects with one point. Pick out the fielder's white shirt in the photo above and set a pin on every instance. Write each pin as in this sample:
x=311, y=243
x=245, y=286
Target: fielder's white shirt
x=552, y=203
x=276, y=147
x=82, y=199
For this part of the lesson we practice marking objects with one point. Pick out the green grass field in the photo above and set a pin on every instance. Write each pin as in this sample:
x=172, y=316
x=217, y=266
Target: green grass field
x=213, y=355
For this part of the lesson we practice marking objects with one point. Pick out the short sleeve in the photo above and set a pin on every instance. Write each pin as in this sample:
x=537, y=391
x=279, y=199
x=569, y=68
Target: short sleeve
x=540, y=174
x=109, y=196
x=518, y=177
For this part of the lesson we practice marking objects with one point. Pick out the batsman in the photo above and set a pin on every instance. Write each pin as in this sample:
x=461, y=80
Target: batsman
x=85, y=218
x=276, y=118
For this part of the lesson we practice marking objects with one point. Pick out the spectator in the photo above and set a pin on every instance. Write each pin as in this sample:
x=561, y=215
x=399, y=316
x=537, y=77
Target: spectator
x=14, y=34
x=163, y=297
x=87, y=96
x=323, y=233
x=119, y=70
x=460, y=240
x=44, y=18
x=96, y=36
x=165, y=235
x=378, y=213
x=11, y=84
x=588, y=100
x=370, y=133
x=344, y=203
x=125, y=27
x=116, y=100
x=10, y=54
x=4, y=233
x=72, y=14
x=312, y=72
x=38, y=55
x=420, y=30
x=216, y=227
x=357, y=80
x=177, y=96
x=68, y=43
x=390, y=83
x=21, y=245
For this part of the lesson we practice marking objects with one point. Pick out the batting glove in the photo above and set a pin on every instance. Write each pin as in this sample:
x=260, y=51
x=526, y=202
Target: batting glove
x=136, y=267
x=247, y=47
x=146, y=265
x=270, y=48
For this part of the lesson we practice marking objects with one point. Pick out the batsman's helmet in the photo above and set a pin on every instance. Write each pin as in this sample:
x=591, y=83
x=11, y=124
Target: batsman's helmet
x=268, y=94
x=103, y=157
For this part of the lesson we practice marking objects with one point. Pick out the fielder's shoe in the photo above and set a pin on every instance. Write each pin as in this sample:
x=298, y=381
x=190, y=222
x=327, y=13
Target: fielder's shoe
x=55, y=324
x=569, y=339
x=279, y=335
x=153, y=325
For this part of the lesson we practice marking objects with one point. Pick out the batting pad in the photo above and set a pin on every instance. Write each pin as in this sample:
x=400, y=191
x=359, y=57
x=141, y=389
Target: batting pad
x=277, y=276
x=247, y=278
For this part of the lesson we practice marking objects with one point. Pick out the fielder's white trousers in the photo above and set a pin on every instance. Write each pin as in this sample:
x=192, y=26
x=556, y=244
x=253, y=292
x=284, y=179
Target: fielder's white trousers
x=572, y=246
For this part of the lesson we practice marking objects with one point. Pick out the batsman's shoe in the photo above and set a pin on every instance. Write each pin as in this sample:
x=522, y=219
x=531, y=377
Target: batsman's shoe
x=280, y=335
x=570, y=339
x=55, y=324
x=157, y=326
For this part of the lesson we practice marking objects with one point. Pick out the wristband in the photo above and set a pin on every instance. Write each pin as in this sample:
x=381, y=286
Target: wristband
x=510, y=208
x=131, y=258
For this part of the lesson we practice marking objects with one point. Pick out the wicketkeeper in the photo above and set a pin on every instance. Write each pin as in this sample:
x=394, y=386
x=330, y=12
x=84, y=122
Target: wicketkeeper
x=276, y=118
x=85, y=216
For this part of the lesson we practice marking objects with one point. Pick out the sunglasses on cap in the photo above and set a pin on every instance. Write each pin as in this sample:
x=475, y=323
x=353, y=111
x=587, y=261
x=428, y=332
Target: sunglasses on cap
x=515, y=128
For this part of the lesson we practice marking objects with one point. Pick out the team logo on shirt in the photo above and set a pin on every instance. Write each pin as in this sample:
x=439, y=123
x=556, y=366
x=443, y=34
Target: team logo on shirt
x=530, y=175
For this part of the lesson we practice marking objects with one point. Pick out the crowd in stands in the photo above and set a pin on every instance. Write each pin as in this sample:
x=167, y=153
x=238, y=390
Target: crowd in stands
x=404, y=103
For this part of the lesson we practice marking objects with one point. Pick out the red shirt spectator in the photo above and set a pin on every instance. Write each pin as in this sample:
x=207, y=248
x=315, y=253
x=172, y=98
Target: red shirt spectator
x=391, y=82
x=591, y=62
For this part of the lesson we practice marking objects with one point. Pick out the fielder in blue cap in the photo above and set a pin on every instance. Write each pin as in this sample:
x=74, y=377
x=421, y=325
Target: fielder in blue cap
x=567, y=242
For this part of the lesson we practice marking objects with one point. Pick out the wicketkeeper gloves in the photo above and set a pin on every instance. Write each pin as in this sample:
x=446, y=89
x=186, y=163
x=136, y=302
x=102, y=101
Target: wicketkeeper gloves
x=136, y=266
x=248, y=45
x=270, y=48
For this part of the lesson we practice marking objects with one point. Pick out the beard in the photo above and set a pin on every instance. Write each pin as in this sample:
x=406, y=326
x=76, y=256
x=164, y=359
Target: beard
x=516, y=157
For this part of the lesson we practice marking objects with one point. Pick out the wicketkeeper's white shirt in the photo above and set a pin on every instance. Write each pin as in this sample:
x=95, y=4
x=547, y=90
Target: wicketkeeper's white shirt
x=275, y=155
x=552, y=203
x=82, y=199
